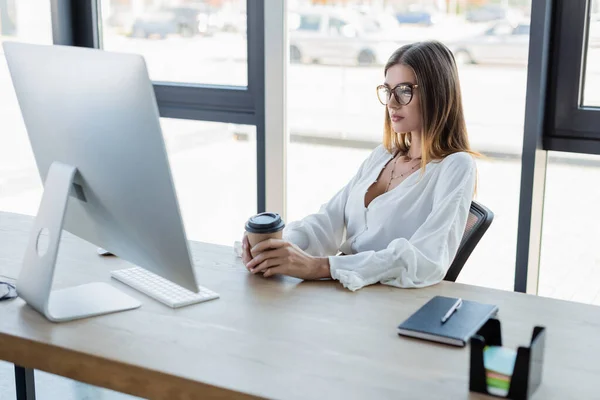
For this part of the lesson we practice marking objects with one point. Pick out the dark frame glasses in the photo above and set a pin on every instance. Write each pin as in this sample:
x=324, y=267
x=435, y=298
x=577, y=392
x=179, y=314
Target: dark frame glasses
x=403, y=93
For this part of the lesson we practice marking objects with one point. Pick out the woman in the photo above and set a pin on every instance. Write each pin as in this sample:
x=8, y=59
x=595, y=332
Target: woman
x=400, y=220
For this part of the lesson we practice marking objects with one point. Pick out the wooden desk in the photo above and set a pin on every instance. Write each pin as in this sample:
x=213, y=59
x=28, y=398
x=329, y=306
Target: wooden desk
x=277, y=338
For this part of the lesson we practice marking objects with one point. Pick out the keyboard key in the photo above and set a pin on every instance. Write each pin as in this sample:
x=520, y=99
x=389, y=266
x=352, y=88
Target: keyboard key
x=162, y=289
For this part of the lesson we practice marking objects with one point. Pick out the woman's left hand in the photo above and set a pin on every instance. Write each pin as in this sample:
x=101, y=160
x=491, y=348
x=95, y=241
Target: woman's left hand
x=276, y=256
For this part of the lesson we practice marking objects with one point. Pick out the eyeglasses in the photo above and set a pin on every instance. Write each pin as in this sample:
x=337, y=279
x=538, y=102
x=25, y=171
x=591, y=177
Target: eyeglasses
x=403, y=93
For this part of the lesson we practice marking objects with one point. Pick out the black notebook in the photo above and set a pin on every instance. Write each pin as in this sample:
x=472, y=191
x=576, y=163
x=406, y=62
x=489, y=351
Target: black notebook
x=426, y=323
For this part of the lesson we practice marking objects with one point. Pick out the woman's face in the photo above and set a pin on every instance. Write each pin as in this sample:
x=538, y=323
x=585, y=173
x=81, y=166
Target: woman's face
x=404, y=118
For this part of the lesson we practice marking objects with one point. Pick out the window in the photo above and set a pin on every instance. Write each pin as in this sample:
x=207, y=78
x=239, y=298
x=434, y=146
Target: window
x=591, y=94
x=574, y=96
x=560, y=182
x=20, y=184
x=335, y=119
x=215, y=177
x=570, y=260
x=201, y=42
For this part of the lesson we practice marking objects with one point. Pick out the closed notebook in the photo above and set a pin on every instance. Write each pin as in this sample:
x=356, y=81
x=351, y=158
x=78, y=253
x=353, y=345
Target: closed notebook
x=426, y=323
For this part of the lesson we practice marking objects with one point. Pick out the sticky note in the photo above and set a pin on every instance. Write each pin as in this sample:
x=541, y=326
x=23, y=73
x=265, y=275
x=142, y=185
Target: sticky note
x=499, y=359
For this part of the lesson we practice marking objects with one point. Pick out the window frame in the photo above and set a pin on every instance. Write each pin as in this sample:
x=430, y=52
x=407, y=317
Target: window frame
x=77, y=23
x=572, y=126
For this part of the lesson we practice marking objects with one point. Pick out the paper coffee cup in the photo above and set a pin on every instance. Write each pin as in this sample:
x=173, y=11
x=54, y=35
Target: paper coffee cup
x=264, y=226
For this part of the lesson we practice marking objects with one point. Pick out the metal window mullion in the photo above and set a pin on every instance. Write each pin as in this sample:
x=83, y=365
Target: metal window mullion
x=534, y=158
x=228, y=104
x=572, y=145
x=75, y=23
x=276, y=134
x=256, y=86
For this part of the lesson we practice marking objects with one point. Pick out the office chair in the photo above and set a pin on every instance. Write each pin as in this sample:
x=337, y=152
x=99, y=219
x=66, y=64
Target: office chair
x=480, y=219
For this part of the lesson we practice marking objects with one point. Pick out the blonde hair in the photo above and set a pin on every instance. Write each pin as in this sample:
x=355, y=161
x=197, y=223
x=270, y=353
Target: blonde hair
x=444, y=128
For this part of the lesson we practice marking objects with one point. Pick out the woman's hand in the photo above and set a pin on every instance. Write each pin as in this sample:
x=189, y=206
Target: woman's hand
x=246, y=255
x=276, y=256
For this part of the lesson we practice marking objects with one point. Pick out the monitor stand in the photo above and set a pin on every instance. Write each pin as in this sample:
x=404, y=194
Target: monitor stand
x=37, y=274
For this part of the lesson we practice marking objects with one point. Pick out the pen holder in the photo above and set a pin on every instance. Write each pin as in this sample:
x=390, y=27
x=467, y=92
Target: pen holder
x=527, y=374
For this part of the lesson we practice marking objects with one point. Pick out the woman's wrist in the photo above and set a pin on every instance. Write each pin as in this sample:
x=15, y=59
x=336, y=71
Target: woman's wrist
x=322, y=269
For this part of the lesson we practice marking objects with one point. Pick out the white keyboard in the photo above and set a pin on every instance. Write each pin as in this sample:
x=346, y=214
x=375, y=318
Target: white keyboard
x=161, y=289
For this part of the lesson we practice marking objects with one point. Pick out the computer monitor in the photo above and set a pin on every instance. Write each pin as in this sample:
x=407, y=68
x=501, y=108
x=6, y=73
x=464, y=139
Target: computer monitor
x=94, y=127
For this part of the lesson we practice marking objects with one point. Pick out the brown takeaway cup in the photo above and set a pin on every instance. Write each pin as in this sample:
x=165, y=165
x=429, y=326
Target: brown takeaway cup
x=264, y=226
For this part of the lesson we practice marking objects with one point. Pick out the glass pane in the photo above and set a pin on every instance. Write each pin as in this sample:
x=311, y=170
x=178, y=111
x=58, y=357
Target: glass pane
x=215, y=177
x=591, y=93
x=181, y=40
x=20, y=185
x=570, y=262
x=332, y=134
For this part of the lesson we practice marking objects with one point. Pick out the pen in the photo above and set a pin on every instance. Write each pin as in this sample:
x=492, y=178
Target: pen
x=452, y=309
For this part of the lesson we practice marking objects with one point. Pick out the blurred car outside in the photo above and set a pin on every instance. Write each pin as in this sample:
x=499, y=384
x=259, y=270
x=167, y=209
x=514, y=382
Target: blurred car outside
x=339, y=37
x=424, y=18
x=184, y=21
x=493, y=12
x=502, y=43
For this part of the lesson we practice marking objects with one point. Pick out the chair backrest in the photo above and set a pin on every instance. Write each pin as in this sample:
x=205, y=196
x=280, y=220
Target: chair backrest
x=480, y=219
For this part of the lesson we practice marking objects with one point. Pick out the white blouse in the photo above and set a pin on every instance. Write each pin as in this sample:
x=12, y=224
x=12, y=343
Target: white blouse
x=406, y=237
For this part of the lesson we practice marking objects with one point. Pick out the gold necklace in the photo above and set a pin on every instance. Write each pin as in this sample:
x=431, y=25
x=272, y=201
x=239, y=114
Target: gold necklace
x=392, y=176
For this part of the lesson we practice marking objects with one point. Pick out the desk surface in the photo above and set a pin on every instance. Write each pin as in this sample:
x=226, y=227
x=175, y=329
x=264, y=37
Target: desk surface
x=279, y=337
